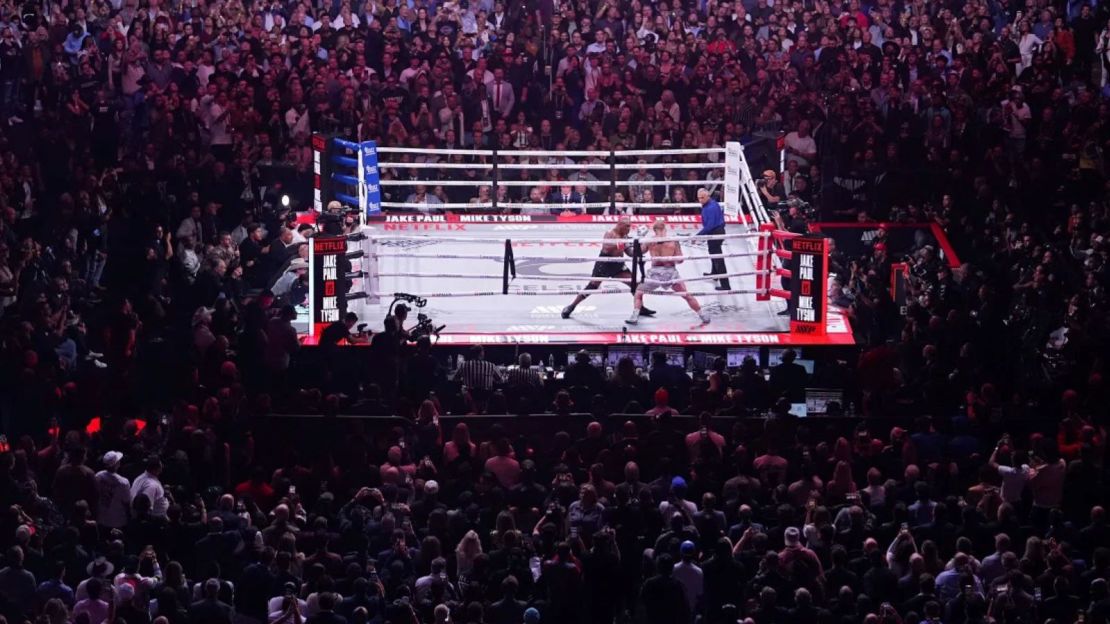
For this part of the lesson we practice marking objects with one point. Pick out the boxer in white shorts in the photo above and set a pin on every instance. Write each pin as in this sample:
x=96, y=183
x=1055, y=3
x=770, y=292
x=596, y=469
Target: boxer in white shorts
x=663, y=274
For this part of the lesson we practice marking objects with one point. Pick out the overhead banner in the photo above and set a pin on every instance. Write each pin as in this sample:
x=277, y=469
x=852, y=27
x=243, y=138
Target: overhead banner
x=809, y=274
x=326, y=294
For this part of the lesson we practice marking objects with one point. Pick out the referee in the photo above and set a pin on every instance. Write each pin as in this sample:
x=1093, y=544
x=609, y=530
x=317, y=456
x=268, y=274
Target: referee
x=477, y=374
x=713, y=223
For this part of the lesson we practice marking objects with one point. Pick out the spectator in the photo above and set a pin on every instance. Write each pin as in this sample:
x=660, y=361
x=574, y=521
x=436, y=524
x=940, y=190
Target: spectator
x=209, y=608
x=74, y=481
x=690, y=576
x=788, y=378
x=503, y=466
x=663, y=598
x=17, y=584
x=150, y=487
x=95, y=608
x=113, y=493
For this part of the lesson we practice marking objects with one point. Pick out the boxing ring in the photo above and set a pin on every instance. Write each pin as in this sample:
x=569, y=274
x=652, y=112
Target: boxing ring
x=502, y=272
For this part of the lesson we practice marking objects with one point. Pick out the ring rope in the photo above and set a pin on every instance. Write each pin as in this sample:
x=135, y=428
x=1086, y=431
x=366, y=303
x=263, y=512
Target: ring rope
x=434, y=165
x=563, y=278
x=624, y=280
x=670, y=182
x=539, y=205
x=547, y=206
x=702, y=278
x=428, y=164
x=547, y=154
x=425, y=151
x=699, y=165
x=658, y=205
x=553, y=165
x=544, y=182
x=501, y=258
x=445, y=206
x=562, y=258
x=600, y=291
x=676, y=152
x=600, y=241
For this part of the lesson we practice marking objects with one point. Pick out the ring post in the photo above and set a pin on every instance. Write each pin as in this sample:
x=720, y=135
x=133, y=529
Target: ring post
x=765, y=263
x=613, y=189
x=637, y=260
x=494, y=175
x=508, y=266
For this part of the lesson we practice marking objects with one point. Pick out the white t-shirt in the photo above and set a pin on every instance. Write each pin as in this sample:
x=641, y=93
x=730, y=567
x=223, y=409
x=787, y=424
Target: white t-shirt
x=1013, y=482
x=296, y=121
x=216, y=123
x=667, y=509
x=149, y=485
x=806, y=145
x=692, y=580
x=273, y=607
x=1018, y=115
x=114, y=499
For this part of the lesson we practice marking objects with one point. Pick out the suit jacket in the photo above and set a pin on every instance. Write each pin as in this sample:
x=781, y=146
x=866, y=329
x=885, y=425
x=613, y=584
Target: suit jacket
x=569, y=203
x=556, y=197
x=209, y=612
x=790, y=379
x=503, y=105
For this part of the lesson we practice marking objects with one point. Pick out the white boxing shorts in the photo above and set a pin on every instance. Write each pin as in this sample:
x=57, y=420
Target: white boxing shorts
x=659, y=278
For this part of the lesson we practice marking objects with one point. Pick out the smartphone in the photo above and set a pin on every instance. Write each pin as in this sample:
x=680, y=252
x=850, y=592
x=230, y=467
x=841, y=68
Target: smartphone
x=905, y=526
x=4, y=447
x=292, y=489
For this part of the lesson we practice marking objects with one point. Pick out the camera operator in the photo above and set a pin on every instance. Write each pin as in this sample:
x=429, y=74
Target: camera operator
x=400, y=315
x=770, y=189
x=386, y=349
x=339, y=332
x=333, y=220
x=794, y=220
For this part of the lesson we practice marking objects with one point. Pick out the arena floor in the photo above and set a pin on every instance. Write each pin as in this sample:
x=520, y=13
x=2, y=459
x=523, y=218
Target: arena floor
x=532, y=312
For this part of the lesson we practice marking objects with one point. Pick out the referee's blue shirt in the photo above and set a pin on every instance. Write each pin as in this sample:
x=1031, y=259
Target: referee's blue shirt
x=712, y=217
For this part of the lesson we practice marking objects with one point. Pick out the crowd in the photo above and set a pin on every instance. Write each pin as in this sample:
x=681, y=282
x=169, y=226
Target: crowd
x=148, y=267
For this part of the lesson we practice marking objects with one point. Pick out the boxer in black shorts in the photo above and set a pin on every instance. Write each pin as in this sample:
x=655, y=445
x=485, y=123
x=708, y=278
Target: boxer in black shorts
x=610, y=269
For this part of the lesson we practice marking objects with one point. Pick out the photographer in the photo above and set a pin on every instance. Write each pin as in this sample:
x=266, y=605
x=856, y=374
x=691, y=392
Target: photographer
x=770, y=189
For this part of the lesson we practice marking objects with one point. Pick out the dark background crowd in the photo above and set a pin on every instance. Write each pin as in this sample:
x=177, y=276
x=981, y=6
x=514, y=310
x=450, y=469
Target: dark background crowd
x=147, y=352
